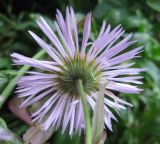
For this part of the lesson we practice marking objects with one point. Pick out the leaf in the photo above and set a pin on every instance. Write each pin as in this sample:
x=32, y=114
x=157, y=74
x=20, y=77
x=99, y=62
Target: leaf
x=112, y=10
x=60, y=138
x=2, y=124
x=154, y=4
x=4, y=63
x=3, y=81
x=152, y=70
x=35, y=135
x=152, y=46
x=98, y=117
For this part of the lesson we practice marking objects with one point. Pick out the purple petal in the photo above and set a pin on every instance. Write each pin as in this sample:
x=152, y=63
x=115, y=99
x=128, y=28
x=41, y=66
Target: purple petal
x=22, y=60
x=125, y=88
x=126, y=56
x=73, y=17
x=53, y=38
x=86, y=33
x=47, y=48
x=69, y=35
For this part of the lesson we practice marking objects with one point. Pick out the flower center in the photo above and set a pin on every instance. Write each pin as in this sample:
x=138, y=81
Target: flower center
x=75, y=69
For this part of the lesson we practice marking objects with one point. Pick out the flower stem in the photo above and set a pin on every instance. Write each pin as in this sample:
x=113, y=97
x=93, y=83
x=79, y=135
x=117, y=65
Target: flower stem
x=9, y=88
x=86, y=112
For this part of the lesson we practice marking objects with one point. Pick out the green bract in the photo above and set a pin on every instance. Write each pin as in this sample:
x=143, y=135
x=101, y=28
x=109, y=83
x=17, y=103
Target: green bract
x=75, y=69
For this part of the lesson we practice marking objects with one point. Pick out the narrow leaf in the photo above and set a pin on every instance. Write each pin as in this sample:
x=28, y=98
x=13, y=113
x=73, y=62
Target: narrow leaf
x=2, y=124
x=98, y=117
x=154, y=4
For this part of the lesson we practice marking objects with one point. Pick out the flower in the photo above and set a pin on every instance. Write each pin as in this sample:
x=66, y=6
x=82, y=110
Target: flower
x=95, y=63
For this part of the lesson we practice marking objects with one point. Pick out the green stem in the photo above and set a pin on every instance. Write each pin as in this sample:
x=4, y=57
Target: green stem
x=86, y=112
x=9, y=88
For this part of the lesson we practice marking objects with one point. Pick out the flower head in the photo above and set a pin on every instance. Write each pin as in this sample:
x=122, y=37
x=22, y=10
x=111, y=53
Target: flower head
x=71, y=59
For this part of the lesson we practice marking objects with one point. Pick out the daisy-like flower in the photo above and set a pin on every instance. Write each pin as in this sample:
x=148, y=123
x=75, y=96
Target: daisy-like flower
x=72, y=59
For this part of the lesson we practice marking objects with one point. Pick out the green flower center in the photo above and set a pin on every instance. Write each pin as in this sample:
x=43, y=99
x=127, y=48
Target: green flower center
x=75, y=69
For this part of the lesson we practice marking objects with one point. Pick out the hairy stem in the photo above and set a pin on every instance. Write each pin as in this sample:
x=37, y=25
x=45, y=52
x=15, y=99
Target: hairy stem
x=85, y=111
x=9, y=88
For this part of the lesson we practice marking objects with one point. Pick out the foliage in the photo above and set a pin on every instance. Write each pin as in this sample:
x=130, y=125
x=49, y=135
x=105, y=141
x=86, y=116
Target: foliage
x=139, y=125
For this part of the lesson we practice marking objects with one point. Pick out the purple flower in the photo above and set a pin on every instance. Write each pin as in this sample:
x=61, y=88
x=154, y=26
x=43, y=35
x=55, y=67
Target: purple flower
x=94, y=62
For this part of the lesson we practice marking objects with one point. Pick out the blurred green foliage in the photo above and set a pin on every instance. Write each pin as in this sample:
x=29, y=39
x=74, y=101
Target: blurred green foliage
x=139, y=125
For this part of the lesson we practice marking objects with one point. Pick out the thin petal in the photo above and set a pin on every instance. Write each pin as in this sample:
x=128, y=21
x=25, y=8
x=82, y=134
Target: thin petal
x=124, y=57
x=73, y=17
x=125, y=88
x=69, y=35
x=125, y=71
x=22, y=60
x=46, y=47
x=53, y=38
x=111, y=95
x=86, y=33
x=98, y=38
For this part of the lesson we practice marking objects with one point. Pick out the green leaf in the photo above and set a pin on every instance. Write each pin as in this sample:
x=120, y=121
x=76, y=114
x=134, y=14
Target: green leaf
x=154, y=4
x=98, y=118
x=3, y=81
x=5, y=63
x=2, y=124
x=60, y=138
x=152, y=46
x=153, y=71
